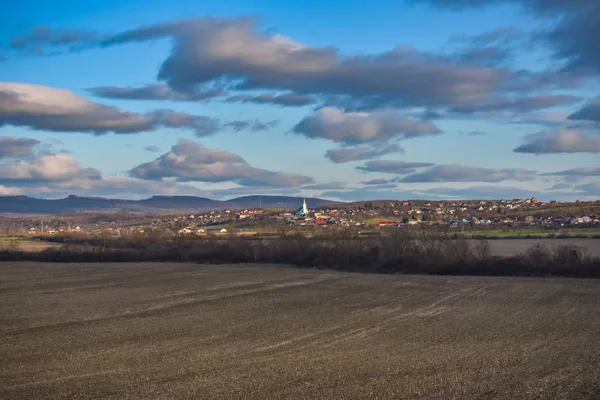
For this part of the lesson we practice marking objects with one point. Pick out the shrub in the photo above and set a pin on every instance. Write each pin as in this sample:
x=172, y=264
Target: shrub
x=569, y=255
x=538, y=255
x=482, y=249
x=398, y=251
x=9, y=245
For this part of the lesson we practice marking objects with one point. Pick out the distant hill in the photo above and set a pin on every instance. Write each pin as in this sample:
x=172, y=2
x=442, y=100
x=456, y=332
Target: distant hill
x=155, y=204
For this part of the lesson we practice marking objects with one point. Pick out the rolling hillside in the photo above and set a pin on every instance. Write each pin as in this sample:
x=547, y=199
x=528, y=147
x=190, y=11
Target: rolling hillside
x=158, y=204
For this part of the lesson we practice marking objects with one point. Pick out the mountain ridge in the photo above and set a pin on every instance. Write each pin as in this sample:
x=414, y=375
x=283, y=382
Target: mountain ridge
x=155, y=204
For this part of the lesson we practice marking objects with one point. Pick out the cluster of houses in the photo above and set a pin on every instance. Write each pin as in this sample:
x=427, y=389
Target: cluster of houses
x=453, y=214
x=382, y=214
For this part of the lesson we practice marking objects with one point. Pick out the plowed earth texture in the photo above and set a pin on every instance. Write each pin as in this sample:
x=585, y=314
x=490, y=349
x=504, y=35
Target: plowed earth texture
x=165, y=331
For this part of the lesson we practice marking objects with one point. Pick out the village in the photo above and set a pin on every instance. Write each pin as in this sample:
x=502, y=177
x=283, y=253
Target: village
x=471, y=215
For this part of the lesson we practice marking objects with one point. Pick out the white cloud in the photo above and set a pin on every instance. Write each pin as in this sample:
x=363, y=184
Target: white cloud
x=357, y=153
x=362, y=127
x=561, y=140
x=460, y=173
x=46, y=108
x=191, y=161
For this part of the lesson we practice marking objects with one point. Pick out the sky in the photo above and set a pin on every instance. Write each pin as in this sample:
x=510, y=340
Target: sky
x=352, y=100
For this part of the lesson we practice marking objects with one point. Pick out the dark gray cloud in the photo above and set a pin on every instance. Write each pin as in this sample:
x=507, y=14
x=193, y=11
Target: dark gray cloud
x=357, y=153
x=254, y=126
x=233, y=50
x=60, y=110
x=491, y=48
x=460, y=173
x=366, y=194
x=376, y=182
x=202, y=126
x=158, y=31
x=152, y=149
x=471, y=193
x=485, y=193
x=392, y=167
x=502, y=35
x=548, y=119
x=40, y=37
x=519, y=104
x=561, y=140
x=561, y=186
x=286, y=99
x=236, y=54
x=535, y=5
x=590, y=189
x=572, y=39
x=383, y=186
x=430, y=115
x=486, y=56
x=263, y=126
x=588, y=171
x=477, y=133
x=155, y=92
x=355, y=128
x=12, y=147
x=326, y=186
x=590, y=112
x=189, y=161
x=549, y=79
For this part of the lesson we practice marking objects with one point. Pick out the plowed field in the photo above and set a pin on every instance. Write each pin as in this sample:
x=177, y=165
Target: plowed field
x=166, y=331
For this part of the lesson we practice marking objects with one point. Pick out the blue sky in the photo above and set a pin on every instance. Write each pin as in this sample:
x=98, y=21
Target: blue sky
x=392, y=99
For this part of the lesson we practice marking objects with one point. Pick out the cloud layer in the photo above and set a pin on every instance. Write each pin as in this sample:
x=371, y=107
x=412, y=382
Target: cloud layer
x=57, y=174
x=190, y=161
x=234, y=52
x=460, y=173
x=11, y=146
x=361, y=127
x=286, y=99
x=392, y=167
x=60, y=110
x=590, y=112
x=562, y=140
x=154, y=92
x=357, y=153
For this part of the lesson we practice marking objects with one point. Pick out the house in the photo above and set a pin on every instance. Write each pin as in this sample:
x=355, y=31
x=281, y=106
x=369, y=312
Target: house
x=386, y=223
x=184, y=231
x=200, y=232
x=223, y=230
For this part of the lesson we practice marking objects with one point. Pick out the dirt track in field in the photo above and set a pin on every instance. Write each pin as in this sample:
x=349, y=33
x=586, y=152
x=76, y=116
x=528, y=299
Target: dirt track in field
x=164, y=331
x=36, y=245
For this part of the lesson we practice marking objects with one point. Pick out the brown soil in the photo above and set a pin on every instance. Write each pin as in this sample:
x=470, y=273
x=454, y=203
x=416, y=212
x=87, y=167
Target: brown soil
x=164, y=331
